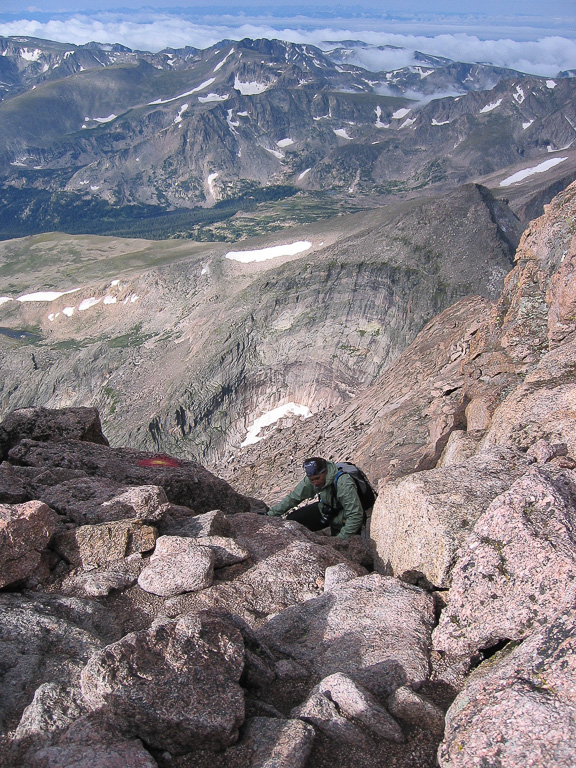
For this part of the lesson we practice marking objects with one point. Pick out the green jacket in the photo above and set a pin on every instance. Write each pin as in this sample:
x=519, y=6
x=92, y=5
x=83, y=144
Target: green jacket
x=343, y=498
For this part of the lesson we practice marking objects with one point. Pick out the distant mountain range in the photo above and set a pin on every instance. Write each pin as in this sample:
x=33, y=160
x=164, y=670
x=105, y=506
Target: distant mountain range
x=103, y=139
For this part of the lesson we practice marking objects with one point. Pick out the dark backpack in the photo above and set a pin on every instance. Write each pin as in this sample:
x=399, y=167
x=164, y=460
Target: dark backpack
x=366, y=493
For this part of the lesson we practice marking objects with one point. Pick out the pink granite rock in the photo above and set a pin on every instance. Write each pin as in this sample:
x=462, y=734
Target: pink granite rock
x=97, y=545
x=374, y=629
x=25, y=530
x=420, y=521
x=519, y=708
x=517, y=568
x=177, y=565
x=175, y=686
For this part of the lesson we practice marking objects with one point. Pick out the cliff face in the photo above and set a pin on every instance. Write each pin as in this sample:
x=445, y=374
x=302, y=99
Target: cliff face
x=185, y=357
x=468, y=371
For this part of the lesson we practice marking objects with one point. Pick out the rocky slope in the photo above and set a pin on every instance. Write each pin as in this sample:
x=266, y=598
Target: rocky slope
x=143, y=626
x=183, y=357
x=101, y=139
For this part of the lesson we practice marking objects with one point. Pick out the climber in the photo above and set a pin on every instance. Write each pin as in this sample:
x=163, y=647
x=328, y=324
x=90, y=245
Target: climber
x=339, y=504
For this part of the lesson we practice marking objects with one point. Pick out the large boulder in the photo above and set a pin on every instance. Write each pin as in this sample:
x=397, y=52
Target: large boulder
x=517, y=568
x=374, y=629
x=420, y=521
x=50, y=424
x=25, y=530
x=92, y=500
x=175, y=686
x=185, y=482
x=519, y=708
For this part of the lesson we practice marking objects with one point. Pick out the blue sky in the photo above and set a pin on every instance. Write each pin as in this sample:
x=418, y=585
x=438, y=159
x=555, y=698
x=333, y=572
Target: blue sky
x=521, y=34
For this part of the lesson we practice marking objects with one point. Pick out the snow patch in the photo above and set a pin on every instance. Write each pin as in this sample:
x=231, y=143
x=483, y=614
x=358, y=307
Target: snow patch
x=87, y=303
x=400, y=113
x=551, y=84
x=212, y=97
x=304, y=173
x=44, y=295
x=540, y=168
x=30, y=55
x=263, y=254
x=267, y=419
x=285, y=142
x=200, y=87
x=408, y=123
x=527, y=125
x=250, y=88
x=443, y=122
x=210, y=181
x=519, y=94
x=490, y=107
x=224, y=60
x=4, y=299
x=275, y=152
x=105, y=119
x=68, y=311
x=342, y=132
x=178, y=118
x=110, y=299
x=379, y=123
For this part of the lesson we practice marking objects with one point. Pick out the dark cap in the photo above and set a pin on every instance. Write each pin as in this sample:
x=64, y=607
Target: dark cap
x=314, y=466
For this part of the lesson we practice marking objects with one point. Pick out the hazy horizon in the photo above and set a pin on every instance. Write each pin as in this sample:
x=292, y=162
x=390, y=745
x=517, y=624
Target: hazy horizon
x=514, y=35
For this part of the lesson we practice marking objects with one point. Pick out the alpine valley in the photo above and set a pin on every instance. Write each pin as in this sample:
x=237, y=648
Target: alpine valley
x=386, y=199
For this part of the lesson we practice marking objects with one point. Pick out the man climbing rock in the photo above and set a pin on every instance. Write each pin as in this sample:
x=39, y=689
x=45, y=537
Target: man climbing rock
x=339, y=504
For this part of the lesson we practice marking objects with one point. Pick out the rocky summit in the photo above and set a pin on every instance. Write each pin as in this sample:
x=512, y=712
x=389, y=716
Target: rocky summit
x=151, y=617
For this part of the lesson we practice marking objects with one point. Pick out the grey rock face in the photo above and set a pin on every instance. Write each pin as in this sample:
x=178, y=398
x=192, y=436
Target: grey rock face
x=516, y=569
x=375, y=630
x=519, y=708
x=45, y=639
x=358, y=705
x=50, y=424
x=340, y=574
x=100, y=582
x=272, y=743
x=184, y=482
x=25, y=530
x=93, y=500
x=175, y=685
x=213, y=523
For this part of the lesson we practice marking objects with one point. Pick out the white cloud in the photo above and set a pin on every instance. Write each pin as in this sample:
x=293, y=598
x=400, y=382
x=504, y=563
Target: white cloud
x=540, y=49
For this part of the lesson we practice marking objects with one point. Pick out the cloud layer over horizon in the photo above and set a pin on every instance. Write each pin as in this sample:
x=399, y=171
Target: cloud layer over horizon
x=471, y=42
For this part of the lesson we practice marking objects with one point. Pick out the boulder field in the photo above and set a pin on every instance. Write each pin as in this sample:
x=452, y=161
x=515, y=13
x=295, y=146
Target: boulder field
x=149, y=616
